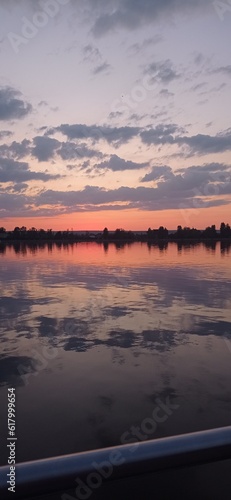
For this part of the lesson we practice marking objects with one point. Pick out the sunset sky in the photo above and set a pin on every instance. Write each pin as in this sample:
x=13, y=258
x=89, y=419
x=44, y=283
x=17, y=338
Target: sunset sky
x=115, y=113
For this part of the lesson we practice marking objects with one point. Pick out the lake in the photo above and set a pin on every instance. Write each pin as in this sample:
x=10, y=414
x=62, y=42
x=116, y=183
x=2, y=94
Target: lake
x=112, y=344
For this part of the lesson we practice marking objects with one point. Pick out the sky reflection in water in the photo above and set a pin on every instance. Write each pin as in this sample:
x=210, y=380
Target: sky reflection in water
x=107, y=331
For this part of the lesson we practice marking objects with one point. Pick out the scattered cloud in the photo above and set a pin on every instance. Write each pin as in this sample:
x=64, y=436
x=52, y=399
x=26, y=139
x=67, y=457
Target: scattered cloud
x=205, y=186
x=225, y=70
x=12, y=204
x=117, y=164
x=43, y=103
x=20, y=187
x=12, y=106
x=201, y=144
x=158, y=173
x=16, y=150
x=114, y=115
x=207, y=144
x=102, y=68
x=18, y=172
x=137, y=118
x=161, y=134
x=162, y=72
x=44, y=148
x=72, y=151
x=199, y=59
x=5, y=134
x=136, y=48
x=166, y=94
x=131, y=15
x=112, y=135
x=92, y=55
x=199, y=86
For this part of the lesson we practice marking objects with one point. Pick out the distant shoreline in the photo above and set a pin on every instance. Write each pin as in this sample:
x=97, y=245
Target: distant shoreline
x=119, y=236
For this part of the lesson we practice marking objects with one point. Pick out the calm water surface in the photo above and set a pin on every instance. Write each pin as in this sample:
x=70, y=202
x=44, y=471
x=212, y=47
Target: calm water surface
x=94, y=339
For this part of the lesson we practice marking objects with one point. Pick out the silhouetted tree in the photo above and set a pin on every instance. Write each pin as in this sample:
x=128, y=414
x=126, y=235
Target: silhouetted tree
x=225, y=230
x=105, y=233
x=210, y=232
x=179, y=232
x=162, y=232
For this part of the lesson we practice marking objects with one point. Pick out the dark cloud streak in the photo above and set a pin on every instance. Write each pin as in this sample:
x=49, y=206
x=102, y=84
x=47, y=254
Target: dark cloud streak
x=130, y=14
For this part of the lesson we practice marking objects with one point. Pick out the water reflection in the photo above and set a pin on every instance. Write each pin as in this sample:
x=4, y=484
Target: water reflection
x=102, y=331
x=10, y=369
x=25, y=248
x=225, y=247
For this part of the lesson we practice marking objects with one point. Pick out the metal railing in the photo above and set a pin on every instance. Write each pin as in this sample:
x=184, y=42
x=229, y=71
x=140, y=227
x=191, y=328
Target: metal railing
x=63, y=473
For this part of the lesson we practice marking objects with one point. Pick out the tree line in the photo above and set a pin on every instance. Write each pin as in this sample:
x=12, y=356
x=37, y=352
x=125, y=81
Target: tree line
x=181, y=233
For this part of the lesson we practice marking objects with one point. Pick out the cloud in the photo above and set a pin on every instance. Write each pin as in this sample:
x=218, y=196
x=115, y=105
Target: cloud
x=11, y=204
x=216, y=176
x=199, y=59
x=93, y=55
x=112, y=135
x=207, y=144
x=18, y=172
x=226, y=70
x=117, y=164
x=113, y=115
x=193, y=185
x=20, y=187
x=85, y=166
x=162, y=72
x=199, y=86
x=173, y=189
x=157, y=173
x=138, y=118
x=5, y=133
x=102, y=68
x=44, y=148
x=165, y=93
x=11, y=106
x=43, y=103
x=161, y=134
x=148, y=42
x=72, y=151
x=16, y=150
x=131, y=15
x=200, y=144
x=203, y=186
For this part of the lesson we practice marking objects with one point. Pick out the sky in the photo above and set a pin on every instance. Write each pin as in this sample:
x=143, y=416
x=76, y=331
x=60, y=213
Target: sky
x=115, y=113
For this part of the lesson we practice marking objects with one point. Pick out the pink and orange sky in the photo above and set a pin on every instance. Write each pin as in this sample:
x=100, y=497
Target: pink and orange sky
x=114, y=113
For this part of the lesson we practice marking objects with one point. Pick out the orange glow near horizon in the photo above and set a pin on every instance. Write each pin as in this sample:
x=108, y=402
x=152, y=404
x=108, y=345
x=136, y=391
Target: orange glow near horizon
x=134, y=220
